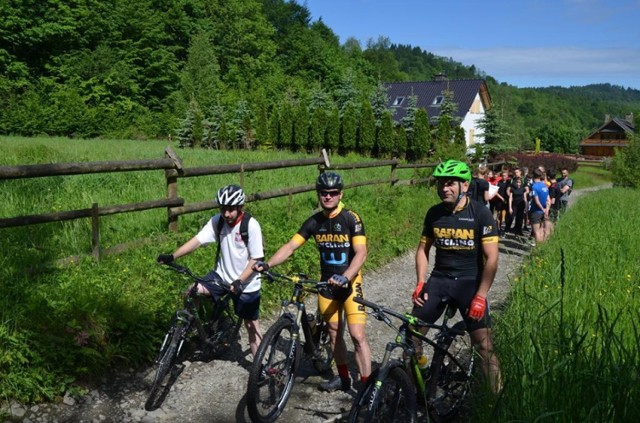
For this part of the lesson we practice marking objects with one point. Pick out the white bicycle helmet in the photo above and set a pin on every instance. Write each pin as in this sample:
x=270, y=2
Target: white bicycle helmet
x=231, y=195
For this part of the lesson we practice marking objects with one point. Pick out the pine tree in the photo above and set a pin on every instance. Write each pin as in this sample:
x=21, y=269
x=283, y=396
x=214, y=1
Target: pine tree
x=286, y=125
x=300, y=136
x=384, y=137
x=318, y=130
x=408, y=123
x=366, y=129
x=348, y=128
x=274, y=140
x=333, y=130
x=421, y=136
x=400, y=144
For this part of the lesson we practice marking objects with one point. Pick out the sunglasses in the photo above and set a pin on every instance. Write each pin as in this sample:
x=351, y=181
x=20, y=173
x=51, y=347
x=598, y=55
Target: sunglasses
x=329, y=193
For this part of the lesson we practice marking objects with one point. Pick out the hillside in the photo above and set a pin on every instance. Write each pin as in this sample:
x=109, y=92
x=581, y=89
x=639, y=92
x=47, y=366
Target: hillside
x=136, y=70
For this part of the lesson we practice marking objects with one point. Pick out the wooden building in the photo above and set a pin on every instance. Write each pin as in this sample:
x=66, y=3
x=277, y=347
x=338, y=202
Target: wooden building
x=614, y=133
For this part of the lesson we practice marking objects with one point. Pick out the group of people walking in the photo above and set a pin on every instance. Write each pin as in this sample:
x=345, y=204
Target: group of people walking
x=520, y=200
x=461, y=229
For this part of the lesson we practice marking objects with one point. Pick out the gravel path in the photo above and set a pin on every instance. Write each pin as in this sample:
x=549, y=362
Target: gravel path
x=214, y=391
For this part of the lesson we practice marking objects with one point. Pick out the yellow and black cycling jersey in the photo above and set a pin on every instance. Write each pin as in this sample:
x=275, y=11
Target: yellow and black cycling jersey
x=335, y=235
x=458, y=237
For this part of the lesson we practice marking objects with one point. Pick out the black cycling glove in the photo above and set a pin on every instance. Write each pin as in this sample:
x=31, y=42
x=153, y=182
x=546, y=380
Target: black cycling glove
x=238, y=287
x=165, y=258
x=263, y=264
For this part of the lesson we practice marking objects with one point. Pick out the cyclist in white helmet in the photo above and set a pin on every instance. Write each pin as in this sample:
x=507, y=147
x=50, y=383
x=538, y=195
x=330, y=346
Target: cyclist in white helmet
x=239, y=237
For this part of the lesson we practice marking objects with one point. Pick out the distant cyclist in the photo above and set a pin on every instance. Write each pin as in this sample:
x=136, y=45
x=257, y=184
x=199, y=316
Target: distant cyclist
x=465, y=237
x=233, y=267
x=340, y=238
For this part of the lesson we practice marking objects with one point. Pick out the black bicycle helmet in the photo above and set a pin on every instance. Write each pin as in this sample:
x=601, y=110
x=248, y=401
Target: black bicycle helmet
x=453, y=169
x=329, y=180
x=231, y=195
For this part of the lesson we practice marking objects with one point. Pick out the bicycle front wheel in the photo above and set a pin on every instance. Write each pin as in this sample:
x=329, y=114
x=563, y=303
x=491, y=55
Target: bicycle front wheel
x=392, y=399
x=273, y=372
x=166, y=360
x=449, y=379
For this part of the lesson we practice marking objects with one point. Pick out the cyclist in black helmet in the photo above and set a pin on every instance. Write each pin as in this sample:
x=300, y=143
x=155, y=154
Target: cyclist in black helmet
x=235, y=258
x=465, y=237
x=340, y=238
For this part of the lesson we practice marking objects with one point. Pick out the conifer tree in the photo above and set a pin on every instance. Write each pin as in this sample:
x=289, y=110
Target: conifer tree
x=421, y=136
x=300, y=136
x=333, y=130
x=400, y=144
x=286, y=124
x=318, y=130
x=274, y=140
x=348, y=127
x=408, y=124
x=366, y=129
x=384, y=137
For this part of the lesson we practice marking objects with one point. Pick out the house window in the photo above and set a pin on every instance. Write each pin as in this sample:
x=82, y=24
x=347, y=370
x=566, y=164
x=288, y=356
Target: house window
x=437, y=101
x=398, y=101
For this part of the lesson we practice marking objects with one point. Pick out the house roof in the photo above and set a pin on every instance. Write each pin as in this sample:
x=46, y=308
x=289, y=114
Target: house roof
x=464, y=93
x=614, y=125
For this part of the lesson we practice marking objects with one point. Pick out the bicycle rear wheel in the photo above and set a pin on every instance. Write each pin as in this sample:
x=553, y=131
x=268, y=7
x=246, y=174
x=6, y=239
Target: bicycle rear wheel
x=273, y=372
x=390, y=400
x=450, y=379
x=166, y=360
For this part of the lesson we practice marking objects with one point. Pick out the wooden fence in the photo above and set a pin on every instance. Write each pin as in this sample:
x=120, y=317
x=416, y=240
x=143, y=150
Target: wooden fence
x=174, y=170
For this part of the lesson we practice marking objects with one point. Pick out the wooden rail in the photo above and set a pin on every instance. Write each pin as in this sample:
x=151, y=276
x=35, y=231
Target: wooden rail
x=173, y=168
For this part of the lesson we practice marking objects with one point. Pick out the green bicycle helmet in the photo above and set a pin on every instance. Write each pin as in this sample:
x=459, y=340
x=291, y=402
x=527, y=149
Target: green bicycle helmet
x=453, y=169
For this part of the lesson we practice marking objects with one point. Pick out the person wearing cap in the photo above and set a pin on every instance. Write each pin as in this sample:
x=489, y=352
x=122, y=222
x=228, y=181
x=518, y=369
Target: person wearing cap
x=340, y=238
x=464, y=235
x=235, y=259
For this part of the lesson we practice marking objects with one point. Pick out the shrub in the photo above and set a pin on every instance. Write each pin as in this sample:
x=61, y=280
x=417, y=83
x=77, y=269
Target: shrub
x=626, y=172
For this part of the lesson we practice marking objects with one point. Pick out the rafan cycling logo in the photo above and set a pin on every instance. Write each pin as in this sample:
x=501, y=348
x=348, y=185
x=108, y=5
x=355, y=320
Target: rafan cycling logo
x=454, y=239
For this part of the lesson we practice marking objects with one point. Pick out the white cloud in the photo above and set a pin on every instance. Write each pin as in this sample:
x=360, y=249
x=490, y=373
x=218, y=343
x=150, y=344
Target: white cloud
x=564, y=64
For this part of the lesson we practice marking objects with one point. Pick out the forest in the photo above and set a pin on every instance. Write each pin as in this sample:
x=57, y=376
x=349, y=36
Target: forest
x=252, y=74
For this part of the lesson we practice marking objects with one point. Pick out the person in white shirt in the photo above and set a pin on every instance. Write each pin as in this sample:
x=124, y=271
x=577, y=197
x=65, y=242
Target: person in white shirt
x=235, y=258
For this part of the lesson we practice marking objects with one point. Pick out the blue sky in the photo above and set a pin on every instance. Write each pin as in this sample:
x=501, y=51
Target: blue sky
x=526, y=43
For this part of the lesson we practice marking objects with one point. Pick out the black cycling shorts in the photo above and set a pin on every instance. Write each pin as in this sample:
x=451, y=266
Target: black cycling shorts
x=460, y=290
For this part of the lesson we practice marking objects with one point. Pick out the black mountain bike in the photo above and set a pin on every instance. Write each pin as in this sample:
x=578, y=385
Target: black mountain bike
x=215, y=333
x=272, y=374
x=390, y=393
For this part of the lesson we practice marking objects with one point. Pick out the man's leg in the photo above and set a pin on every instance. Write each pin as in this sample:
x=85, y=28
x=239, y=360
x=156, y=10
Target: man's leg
x=482, y=342
x=362, y=349
x=255, y=336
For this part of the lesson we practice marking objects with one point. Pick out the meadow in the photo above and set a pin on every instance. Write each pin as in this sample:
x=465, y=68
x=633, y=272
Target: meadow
x=569, y=339
x=62, y=324
x=566, y=347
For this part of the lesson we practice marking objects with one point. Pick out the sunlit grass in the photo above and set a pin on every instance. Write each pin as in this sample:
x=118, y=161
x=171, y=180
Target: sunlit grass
x=569, y=346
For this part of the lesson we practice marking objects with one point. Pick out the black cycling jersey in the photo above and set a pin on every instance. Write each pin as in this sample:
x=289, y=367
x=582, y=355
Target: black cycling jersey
x=335, y=237
x=458, y=237
x=518, y=194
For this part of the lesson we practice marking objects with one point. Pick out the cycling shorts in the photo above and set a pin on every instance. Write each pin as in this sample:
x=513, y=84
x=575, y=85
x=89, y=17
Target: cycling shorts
x=536, y=217
x=330, y=308
x=461, y=290
x=246, y=305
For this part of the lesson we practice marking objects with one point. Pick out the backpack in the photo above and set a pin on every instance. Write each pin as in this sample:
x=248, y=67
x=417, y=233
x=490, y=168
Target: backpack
x=244, y=231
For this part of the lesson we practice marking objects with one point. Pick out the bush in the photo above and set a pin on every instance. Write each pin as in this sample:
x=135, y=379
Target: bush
x=626, y=172
x=550, y=161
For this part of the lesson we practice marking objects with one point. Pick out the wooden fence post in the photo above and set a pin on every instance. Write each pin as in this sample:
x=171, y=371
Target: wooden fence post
x=172, y=186
x=394, y=173
x=95, y=232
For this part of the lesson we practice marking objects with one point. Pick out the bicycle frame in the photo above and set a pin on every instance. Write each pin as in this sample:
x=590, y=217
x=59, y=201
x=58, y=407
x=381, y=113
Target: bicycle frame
x=405, y=341
x=299, y=315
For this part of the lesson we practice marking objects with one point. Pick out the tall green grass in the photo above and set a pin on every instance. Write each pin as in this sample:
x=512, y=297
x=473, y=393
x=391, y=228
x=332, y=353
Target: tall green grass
x=569, y=340
x=590, y=176
x=59, y=325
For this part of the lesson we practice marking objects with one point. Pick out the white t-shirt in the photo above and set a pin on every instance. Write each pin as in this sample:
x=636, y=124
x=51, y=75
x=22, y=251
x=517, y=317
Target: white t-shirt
x=234, y=254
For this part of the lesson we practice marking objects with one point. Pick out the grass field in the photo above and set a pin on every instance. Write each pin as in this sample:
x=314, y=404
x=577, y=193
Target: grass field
x=569, y=339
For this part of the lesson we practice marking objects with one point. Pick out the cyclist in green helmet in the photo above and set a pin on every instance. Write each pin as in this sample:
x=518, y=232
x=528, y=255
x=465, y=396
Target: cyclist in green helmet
x=465, y=237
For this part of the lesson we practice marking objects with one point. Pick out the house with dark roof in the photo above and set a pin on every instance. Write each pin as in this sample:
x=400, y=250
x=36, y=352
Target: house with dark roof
x=470, y=95
x=614, y=133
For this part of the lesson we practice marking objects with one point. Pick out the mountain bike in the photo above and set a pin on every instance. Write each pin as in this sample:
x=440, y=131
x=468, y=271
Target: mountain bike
x=273, y=372
x=215, y=333
x=390, y=392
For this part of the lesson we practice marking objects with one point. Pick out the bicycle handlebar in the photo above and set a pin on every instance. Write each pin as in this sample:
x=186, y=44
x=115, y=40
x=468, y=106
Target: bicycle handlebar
x=300, y=278
x=183, y=270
